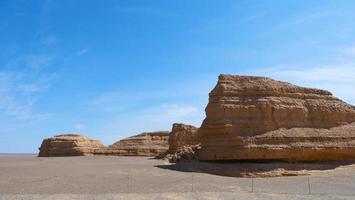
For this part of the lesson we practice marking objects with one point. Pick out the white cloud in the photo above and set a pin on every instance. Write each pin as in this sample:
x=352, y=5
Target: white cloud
x=49, y=40
x=254, y=16
x=12, y=102
x=349, y=50
x=19, y=89
x=337, y=78
x=334, y=73
x=79, y=127
x=38, y=61
x=154, y=118
x=131, y=112
x=145, y=10
x=180, y=111
x=30, y=88
x=193, y=90
x=82, y=51
x=305, y=18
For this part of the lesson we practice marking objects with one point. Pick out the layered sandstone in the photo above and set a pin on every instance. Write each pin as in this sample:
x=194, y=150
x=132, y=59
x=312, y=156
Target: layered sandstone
x=182, y=135
x=257, y=118
x=145, y=144
x=70, y=145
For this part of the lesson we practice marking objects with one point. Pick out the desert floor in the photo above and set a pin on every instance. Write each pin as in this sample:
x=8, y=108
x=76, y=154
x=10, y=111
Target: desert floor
x=106, y=177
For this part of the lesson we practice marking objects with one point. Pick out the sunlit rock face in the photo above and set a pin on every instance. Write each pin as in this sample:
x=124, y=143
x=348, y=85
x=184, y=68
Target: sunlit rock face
x=70, y=145
x=257, y=118
x=145, y=144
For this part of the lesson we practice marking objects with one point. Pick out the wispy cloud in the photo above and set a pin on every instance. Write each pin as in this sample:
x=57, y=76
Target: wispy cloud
x=19, y=89
x=154, y=118
x=118, y=100
x=28, y=74
x=79, y=127
x=180, y=111
x=301, y=19
x=14, y=102
x=340, y=73
x=82, y=51
x=49, y=40
x=145, y=10
x=127, y=113
x=337, y=77
x=254, y=16
x=36, y=61
x=348, y=50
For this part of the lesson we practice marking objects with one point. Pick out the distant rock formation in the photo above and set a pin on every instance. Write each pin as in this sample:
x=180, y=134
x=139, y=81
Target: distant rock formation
x=70, y=145
x=253, y=118
x=182, y=135
x=145, y=144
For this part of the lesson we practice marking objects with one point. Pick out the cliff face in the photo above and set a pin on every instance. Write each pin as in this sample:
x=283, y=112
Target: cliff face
x=242, y=109
x=182, y=135
x=70, y=145
x=145, y=144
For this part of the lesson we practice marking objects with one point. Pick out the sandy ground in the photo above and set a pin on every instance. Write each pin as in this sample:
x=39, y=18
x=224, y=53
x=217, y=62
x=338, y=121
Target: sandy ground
x=106, y=177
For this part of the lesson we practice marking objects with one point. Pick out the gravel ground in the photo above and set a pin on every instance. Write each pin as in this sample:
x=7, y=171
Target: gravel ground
x=106, y=177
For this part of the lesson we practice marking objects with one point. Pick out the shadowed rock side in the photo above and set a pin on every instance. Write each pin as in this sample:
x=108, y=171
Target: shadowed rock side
x=145, y=144
x=258, y=118
x=70, y=145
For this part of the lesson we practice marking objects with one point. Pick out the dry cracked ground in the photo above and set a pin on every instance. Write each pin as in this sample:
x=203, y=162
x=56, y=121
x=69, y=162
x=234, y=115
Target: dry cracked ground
x=109, y=177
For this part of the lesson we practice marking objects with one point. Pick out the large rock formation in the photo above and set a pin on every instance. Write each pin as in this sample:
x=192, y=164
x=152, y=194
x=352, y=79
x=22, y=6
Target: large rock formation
x=182, y=135
x=70, y=145
x=145, y=144
x=252, y=118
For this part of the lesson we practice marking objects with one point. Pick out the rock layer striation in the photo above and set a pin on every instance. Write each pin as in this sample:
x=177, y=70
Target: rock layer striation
x=253, y=118
x=145, y=144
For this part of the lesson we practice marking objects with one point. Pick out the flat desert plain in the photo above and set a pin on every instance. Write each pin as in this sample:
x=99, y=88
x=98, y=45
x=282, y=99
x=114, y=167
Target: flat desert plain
x=110, y=177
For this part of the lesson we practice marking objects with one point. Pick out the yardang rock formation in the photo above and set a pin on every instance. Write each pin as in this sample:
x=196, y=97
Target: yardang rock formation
x=247, y=118
x=183, y=144
x=182, y=135
x=70, y=145
x=145, y=144
x=258, y=118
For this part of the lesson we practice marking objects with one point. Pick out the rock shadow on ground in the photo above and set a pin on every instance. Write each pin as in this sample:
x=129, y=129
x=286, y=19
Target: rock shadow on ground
x=255, y=169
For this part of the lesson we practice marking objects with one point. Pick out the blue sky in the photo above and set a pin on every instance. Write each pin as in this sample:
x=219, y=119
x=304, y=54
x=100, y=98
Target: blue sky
x=110, y=69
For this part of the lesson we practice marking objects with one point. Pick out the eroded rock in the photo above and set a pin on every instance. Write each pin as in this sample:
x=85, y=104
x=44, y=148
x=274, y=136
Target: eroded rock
x=182, y=135
x=145, y=144
x=70, y=145
x=258, y=118
x=184, y=154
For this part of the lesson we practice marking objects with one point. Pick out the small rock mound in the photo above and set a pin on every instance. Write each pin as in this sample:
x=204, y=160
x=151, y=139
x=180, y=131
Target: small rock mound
x=70, y=145
x=183, y=154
